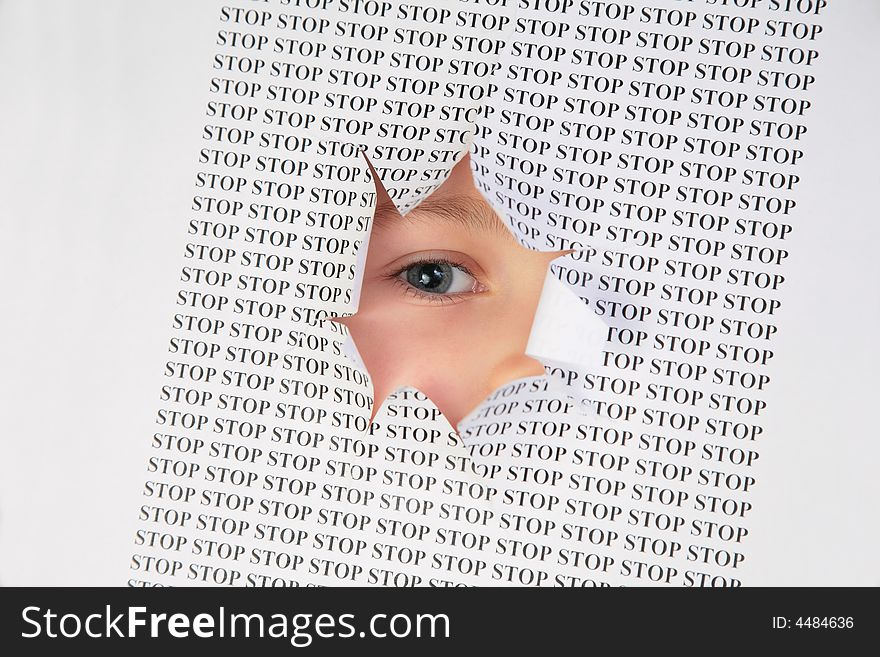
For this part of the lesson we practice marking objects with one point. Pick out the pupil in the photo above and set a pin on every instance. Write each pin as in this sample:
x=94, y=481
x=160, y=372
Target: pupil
x=431, y=277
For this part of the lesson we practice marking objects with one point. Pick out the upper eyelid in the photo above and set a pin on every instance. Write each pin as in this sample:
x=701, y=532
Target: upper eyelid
x=424, y=261
x=452, y=258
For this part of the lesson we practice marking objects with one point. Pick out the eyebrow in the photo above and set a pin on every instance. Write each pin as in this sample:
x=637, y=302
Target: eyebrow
x=465, y=210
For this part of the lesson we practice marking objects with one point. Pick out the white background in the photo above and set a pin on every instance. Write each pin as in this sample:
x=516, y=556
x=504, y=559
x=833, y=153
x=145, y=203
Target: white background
x=101, y=106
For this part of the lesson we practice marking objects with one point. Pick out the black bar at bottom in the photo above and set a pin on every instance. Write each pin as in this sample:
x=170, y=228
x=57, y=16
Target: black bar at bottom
x=433, y=621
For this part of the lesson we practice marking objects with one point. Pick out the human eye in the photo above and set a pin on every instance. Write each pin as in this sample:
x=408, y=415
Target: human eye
x=437, y=278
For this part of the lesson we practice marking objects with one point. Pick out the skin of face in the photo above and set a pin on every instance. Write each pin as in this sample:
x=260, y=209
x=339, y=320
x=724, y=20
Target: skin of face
x=455, y=348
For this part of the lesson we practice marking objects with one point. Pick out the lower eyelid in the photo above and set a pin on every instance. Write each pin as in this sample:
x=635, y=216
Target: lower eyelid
x=439, y=299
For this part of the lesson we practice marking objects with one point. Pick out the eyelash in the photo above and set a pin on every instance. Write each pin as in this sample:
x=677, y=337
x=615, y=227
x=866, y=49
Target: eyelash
x=439, y=299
